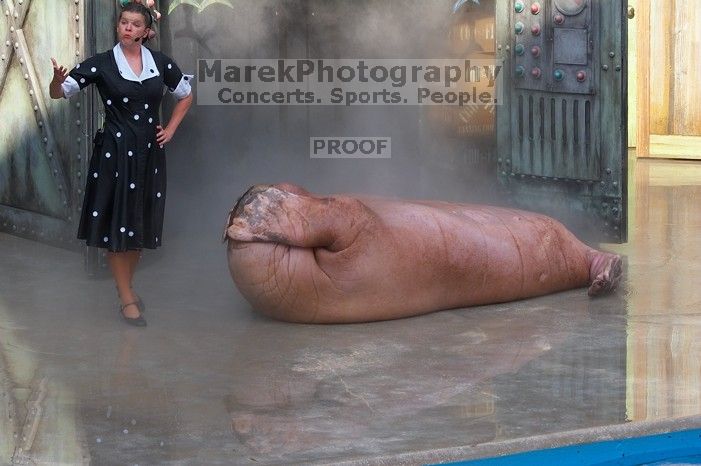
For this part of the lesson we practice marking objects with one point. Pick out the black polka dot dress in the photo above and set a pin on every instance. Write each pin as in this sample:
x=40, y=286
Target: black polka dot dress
x=125, y=190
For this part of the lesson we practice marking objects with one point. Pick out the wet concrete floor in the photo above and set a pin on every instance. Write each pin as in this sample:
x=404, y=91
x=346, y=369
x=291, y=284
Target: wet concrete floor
x=210, y=382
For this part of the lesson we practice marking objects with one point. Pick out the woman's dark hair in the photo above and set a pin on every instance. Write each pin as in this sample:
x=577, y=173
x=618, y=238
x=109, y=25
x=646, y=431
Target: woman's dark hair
x=142, y=10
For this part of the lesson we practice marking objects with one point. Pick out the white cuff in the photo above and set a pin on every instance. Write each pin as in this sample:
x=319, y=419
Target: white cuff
x=184, y=89
x=70, y=87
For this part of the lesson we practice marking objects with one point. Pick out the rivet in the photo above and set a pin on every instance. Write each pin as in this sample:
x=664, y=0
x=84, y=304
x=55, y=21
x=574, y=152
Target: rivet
x=41, y=123
x=602, y=183
x=615, y=228
x=21, y=60
x=80, y=191
x=45, y=140
x=26, y=76
x=77, y=54
x=12, y=29
x=615, y=184
x=4, y=57
x=499, y=47
x=612, y=54
x=77, y=105
x=503, y=173
x=36, y=108
x=77, y=36
x=78, y=157
x=56, y=173
x=79, y=140
x=65, y=203
x=618, y=68
x=77, y=122
x=499, y=160
x=508, y=47
x=70, y=219
x=16, y=45
x=7, y=12
x=605, y=67
x=79, y=174
x=7, y=43
x=20, y=1
x=31, y=92
x=608, y=170
x=77, y=18
x=16, y=15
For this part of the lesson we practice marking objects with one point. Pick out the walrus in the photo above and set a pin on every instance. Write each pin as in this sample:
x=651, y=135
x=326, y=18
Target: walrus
x=303, y=258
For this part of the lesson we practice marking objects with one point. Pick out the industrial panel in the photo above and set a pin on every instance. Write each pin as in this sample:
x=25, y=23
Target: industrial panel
x=561, y=131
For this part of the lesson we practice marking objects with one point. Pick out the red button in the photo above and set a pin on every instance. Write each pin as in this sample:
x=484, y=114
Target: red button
x=535, y=29
x=535, y=72
x=581, y=76
x=535, y=51
x=559, y=19
x=535, y=8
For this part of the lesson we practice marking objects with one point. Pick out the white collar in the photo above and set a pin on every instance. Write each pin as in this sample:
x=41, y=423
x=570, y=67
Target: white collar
x=148, y=65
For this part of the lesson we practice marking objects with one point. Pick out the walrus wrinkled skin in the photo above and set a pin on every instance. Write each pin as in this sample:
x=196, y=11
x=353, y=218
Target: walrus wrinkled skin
x=340, y=259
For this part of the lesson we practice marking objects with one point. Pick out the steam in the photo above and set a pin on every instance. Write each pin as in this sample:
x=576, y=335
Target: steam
x=220, y=151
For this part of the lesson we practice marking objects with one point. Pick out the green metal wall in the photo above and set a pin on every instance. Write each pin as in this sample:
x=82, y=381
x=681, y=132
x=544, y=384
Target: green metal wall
x=561, y=145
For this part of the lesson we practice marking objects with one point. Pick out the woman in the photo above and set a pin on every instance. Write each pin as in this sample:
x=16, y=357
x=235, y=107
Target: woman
x=126, y=186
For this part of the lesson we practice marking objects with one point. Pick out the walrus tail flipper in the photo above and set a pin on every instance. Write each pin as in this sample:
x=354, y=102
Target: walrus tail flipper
x=606, y=271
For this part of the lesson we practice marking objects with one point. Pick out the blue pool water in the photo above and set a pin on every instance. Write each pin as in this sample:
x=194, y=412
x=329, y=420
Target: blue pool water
x=674, y=448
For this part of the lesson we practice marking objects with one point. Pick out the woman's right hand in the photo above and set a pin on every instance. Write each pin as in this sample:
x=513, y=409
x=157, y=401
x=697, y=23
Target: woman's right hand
x=60, y=72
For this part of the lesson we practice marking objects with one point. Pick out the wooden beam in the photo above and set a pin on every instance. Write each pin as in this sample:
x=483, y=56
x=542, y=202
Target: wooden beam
x=685, y=35
x=643, y=72
x=675, y=147
x=660, y=68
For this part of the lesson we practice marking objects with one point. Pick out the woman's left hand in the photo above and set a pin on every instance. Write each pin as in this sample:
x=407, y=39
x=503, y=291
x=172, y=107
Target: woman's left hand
x=163, y=135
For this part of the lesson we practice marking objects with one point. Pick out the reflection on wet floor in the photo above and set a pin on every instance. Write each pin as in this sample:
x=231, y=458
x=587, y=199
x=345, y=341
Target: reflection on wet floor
x=209, y=382
x=664, y=297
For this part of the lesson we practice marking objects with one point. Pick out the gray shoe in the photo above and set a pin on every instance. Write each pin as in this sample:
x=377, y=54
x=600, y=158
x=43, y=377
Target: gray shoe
x=140, y=304
x=135, y=321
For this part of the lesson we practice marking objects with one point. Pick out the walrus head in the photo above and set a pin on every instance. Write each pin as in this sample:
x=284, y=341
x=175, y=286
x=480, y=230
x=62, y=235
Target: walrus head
x=241, y=202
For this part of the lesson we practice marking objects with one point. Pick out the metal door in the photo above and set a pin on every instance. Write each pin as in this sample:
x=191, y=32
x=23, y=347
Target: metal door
x=42, y=144
x=561, y=130
x=45, y=144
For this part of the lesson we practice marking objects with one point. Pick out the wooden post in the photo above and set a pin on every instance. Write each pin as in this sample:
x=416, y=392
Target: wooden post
x=643, y=75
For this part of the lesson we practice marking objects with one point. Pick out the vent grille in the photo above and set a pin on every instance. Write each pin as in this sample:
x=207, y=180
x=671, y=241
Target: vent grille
x=554, y=137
